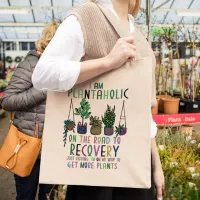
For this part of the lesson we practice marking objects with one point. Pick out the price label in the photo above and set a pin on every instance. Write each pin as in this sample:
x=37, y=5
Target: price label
x=195, y=106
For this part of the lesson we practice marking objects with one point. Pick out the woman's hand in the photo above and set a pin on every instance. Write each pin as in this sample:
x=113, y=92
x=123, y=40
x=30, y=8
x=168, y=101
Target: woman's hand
x=158, y=175
x=159, y=181
x=123, y=51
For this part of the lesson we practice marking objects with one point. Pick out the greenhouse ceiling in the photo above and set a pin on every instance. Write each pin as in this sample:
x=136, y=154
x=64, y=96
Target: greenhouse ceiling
x=24, y=19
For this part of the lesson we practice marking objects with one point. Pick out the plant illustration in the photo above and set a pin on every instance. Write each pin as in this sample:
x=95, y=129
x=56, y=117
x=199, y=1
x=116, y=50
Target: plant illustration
x=69, y=125
x=96, y=124
x=109, y=120
x=120, y=130
x=84, y=112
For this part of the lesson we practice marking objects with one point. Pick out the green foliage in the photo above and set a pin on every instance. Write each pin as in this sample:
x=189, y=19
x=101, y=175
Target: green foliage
x=166, y=34
x=180, y=161
x=109, y=117
x=67, y=123
x=118, y=129
x=83, y=110
x=3, y=84
x=95, y=121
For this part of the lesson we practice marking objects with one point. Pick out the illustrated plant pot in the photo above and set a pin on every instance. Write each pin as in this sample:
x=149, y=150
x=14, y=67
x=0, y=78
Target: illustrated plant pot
x=70, y=127
x=82, y=129
x=155, y=110
x=171, y=105
x=192, y=107
x=108, y=131
x=123, y=131
x=96, y=130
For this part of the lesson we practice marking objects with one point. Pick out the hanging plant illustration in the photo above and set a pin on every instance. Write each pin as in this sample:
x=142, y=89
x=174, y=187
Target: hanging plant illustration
x=109, y=120
x=69, y=125
x=121, y=128
x=96, y=125
x=84, y=112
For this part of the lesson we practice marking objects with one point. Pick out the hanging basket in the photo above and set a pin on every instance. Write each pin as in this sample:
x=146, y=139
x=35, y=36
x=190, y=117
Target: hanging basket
x=123, y=131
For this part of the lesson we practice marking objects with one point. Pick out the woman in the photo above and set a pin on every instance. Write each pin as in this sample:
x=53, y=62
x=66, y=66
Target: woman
x=28, y=104
x=65, y=63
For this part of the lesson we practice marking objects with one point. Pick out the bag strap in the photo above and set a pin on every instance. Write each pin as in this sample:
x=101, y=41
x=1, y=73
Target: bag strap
x=12, y=115
x=14, y=156
x=36, y=131
x=120, y=28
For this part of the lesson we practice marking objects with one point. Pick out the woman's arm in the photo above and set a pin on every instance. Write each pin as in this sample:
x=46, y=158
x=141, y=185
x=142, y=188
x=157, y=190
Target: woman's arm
x=153, y=128
x=20, y=94
x=60, y=68
x=158, y=175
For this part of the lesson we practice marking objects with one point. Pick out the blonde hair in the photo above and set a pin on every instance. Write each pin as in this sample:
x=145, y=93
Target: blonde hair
x=134, y=7
x=47, y=34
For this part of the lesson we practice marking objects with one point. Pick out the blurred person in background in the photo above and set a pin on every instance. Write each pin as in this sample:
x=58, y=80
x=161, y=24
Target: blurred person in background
x=2, y=72
x=28, y=105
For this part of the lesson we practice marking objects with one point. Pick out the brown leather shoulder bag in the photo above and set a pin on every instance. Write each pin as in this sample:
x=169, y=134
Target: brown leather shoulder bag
x=19, y=151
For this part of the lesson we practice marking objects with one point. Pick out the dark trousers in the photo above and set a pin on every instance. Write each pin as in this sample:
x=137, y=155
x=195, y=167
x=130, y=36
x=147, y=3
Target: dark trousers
x=107, y=193
x=26, y=187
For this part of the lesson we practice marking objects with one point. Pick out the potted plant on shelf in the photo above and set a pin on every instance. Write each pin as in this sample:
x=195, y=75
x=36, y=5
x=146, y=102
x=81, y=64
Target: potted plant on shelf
x=109, y=120
x=171, y=105
x=120, y=130
x=69, y=125
x=84, y=112
x=198, y=89
x=167, y=36
x=96, y=125
x=155, y=110
x=190, y=104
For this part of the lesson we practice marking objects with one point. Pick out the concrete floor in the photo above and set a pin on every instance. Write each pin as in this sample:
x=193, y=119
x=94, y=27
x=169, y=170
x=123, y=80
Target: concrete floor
x=7, y=187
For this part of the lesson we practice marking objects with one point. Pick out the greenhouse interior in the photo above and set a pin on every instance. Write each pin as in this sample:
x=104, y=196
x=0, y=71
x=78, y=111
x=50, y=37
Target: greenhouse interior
x=172, y=28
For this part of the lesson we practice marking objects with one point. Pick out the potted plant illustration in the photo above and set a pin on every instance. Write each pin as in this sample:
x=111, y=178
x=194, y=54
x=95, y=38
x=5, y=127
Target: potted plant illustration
x=84, y=112
x=109, y=120
x=120, y=130
x=69, y=125
x=96, y=125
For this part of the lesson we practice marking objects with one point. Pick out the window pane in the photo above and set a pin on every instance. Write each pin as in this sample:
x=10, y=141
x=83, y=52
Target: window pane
x=32, y=45
x=23, y=46
x=14, y=46
x=8, y=46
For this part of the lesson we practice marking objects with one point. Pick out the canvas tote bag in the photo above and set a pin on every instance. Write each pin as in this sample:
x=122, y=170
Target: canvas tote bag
x=98, y=134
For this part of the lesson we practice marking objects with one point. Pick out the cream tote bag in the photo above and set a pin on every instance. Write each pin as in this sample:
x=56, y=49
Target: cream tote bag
x=98, y=133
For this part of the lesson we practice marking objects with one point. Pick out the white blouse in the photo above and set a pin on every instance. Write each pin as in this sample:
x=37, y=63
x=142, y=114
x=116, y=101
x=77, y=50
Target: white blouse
x=59, y=66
